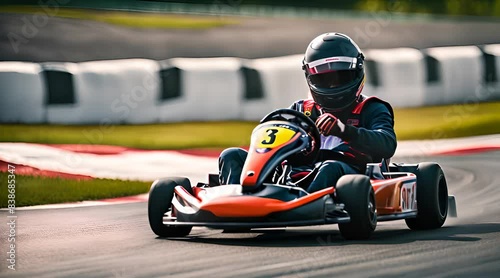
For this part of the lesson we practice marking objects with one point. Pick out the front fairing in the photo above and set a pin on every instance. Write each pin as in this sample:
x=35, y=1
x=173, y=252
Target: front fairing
x=271, y=143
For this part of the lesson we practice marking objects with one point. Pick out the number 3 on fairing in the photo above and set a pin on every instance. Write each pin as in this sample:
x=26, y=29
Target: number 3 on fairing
x=271, y=133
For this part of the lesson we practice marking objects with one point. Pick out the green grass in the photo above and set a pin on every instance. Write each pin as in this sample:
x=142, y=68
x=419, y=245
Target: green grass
x=33, y=190
x=131, y=19
x=418, y=123
x=152, y=136
x=450, y=121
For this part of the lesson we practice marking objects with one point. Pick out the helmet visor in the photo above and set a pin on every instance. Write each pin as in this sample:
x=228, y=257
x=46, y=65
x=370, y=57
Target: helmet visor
x=332, y=79
x=330, y=64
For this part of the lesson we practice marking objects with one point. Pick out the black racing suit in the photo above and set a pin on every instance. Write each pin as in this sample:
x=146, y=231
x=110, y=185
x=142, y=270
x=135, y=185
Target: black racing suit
x=368, y=137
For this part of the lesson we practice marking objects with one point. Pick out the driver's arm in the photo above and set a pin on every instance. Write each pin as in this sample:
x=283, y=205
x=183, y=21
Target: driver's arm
x=377, y=137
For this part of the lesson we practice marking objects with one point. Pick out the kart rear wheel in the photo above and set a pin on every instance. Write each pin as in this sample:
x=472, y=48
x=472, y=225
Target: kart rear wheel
x=432, y=198
x=356, y=193
x=160, y=201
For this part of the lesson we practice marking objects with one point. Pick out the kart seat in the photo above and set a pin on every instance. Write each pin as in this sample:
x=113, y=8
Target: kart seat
x=300, y=175
x=375, y=170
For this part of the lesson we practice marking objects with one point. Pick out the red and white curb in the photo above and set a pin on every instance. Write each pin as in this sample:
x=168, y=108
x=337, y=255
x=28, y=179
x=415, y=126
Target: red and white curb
x=126, y=164
x=455, y=146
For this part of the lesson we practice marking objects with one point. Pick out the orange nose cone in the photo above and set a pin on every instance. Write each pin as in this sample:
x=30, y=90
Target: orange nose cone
x=258, y=158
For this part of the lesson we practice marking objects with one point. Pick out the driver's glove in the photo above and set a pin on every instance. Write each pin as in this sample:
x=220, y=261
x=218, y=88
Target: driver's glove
x=330, y=125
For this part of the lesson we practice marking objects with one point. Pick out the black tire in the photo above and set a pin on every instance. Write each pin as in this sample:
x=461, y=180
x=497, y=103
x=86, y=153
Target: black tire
x=432, y=198
x=356, y=193
x=160, y=201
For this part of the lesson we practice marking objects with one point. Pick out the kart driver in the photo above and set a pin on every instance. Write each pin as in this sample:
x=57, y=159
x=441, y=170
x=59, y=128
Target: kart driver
x=355, y=129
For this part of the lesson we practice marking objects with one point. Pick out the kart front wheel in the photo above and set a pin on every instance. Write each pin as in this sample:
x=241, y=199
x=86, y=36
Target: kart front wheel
x=160, y=202
x=356, y=193
x=432, y=198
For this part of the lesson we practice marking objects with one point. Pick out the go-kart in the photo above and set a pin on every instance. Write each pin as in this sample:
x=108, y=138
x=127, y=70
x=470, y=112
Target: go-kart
x=272, y=195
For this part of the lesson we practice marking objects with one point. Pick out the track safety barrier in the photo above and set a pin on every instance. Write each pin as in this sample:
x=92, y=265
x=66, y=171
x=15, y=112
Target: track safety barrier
x=22, y=93
x=137, y=91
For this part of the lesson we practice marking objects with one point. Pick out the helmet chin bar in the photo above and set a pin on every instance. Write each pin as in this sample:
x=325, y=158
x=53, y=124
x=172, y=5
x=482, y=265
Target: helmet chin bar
x=352, y=93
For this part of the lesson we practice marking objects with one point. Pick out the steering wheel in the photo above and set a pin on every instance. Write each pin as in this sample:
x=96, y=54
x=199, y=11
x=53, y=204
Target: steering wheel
x=298, y=118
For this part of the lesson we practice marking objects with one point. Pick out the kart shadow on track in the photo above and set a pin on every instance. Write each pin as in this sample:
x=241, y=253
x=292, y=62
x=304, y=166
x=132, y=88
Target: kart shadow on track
x=459, y=232
x=311, y=238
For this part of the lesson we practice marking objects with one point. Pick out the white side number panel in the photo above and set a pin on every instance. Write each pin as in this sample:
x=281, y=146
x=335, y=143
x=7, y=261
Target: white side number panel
x=409, y=196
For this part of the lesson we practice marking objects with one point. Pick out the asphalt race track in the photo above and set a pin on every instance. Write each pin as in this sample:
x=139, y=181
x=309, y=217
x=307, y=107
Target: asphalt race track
x=115, y=241
x=72, y=40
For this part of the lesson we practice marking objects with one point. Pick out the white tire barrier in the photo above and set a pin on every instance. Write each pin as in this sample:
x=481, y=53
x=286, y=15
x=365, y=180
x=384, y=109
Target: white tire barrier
x=211, y=89
x=22, y=93
x=63, y=103
x=283, y=82
x=491, y=89
x=118, y=91
x=145, y=91
x=459, y=74
x=105, y=92
x=400, y=76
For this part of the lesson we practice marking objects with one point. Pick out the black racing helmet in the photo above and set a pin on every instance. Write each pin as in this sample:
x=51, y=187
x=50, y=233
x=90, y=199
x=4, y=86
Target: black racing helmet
x=333, y=64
